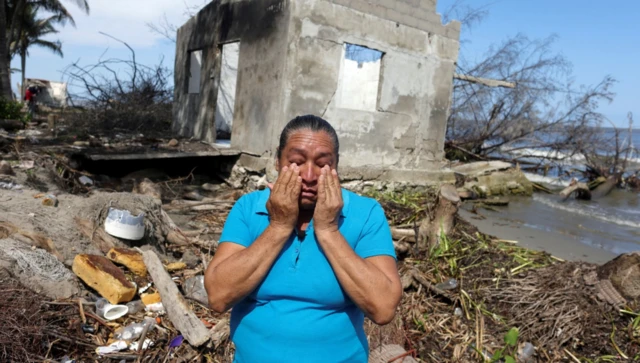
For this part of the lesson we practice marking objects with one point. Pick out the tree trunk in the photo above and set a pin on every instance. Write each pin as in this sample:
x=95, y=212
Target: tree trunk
x=442, y=221
x=5, y=81
x=23, y=60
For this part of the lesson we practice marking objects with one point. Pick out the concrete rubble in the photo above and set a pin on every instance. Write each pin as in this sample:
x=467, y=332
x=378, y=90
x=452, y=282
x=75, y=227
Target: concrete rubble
x=103, y=276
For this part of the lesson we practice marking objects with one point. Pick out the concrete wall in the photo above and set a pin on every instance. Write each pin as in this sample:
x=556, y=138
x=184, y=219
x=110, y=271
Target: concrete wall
x=261, y=27
x=291, y=60
x=406, y=132
x=420, y=14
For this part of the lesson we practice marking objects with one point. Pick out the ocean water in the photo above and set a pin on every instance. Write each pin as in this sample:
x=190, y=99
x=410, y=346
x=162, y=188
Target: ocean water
x=611, y=223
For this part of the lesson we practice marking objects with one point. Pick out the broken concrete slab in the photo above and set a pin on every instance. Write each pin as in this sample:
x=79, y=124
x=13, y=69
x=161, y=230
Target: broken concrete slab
x=479, y=168
x=497, y=183
x=104, y=277
x=150, y=299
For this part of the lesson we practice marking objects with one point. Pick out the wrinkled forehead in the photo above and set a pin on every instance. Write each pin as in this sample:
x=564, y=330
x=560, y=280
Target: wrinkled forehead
x=309, y=142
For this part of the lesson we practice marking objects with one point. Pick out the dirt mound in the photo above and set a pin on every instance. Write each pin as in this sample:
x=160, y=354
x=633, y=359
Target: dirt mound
x=59, y=224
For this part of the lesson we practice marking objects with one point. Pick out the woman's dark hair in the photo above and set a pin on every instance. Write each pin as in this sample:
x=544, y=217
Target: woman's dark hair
x=308, y=122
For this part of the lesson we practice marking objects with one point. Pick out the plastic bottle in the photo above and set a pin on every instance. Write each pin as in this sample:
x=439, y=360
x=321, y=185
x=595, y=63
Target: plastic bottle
x=449, y=284
x=526, y=353
x=133, y=331
x=135, y=306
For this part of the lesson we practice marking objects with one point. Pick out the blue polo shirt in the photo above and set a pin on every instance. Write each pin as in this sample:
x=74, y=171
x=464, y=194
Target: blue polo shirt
x=300, y=313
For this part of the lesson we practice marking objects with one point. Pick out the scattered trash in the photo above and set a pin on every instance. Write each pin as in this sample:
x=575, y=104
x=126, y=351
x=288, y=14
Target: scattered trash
x=26, y=164
x=176, y=266
x=29, y=132
x=457, y=312
x=120, y=223
x=156, y=308
x=85, y=180
x=173, y=143
x=150, y=299
x=144, y=288
x=50, y=201
x=114, y=347
x=66, y=359
x=526, y=352
x=176, y=342
x=110, y=312
x=147, y=343
x=88, y=328
x=450, y=284
x=10, y=186
x=135, y=306
x=193, y=288
x=132, y=331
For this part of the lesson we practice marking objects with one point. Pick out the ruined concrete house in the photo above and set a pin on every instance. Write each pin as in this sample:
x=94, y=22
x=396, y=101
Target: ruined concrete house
x=380, y=71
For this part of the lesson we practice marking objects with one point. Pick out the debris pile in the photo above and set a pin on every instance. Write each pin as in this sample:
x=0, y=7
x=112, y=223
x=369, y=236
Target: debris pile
x=117, y=274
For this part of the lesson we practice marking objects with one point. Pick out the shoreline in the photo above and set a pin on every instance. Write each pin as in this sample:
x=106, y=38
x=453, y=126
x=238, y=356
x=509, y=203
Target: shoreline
x=557, y=244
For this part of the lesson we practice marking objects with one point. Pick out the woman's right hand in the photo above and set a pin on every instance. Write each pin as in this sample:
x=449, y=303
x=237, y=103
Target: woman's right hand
x=283, y=202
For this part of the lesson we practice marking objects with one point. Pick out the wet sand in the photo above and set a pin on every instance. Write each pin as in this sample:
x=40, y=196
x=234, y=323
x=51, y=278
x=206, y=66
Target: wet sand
x=556, y=243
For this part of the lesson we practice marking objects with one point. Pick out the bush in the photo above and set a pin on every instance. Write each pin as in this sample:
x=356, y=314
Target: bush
x=11, y=110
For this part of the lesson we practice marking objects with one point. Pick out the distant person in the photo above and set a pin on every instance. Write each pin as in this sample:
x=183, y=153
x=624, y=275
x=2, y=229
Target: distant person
x=302, y=262
x=30, y=97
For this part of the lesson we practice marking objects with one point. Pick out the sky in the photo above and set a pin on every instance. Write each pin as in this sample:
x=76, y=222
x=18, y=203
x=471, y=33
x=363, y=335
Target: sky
x=598, y=39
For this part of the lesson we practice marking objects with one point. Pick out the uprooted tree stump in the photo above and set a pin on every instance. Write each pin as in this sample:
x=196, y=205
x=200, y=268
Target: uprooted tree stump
x=580, y=189
x=442, y=219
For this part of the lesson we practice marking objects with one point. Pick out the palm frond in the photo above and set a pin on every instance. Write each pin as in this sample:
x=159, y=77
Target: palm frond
x=53, y=46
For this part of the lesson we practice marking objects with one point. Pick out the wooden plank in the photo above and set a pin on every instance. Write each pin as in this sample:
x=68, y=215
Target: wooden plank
x=177, y=308
x=174, y=155
x=484, y=81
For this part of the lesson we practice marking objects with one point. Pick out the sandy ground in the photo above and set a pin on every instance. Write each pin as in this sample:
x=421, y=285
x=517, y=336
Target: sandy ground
x=557, y=244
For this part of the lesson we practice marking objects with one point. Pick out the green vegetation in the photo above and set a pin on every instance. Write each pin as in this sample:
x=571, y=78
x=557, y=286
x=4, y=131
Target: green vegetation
x=12, y=110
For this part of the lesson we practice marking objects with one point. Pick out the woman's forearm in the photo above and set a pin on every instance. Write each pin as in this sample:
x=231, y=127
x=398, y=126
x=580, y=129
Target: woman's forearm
x=231, y=279
x=377, y=293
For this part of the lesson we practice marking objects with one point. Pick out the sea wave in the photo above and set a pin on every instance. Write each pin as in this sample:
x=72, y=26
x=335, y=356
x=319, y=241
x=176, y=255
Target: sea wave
x=558, y=156
x=546, y=180
x=587, y=212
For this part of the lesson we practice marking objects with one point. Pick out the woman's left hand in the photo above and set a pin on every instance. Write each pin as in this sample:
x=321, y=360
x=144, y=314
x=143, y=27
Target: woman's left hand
x=329, y=203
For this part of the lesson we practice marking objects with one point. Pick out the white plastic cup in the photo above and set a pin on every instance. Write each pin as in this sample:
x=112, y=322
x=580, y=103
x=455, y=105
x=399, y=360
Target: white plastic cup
x=110, y=312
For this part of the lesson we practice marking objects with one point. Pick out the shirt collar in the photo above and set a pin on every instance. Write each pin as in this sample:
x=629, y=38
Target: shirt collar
x=264, y=198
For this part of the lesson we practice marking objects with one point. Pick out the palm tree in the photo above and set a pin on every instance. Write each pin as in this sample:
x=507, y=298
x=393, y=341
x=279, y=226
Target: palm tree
x=11, y=27
x=33, y=30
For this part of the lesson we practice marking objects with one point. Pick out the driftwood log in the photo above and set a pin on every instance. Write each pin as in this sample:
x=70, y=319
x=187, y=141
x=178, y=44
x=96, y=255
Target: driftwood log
x=441, y=220
x=11, y=125
x=177, y=308
x=581, y=189
x=606, y=187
